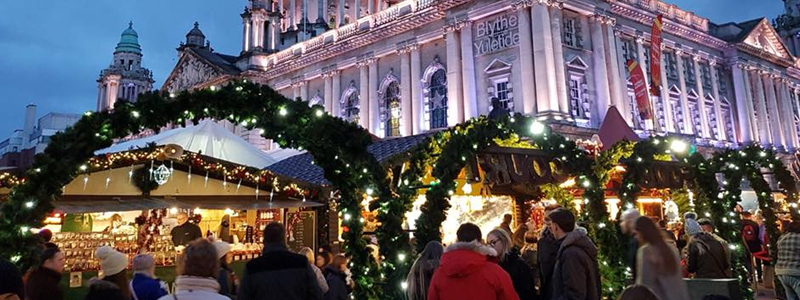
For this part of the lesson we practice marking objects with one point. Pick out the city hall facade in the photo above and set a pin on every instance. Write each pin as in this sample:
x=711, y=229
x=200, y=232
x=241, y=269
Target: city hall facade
x=401, y=68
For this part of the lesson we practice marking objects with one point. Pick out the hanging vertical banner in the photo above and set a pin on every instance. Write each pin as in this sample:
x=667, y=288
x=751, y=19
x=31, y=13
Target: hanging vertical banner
x=640, y=90
x=655, y=57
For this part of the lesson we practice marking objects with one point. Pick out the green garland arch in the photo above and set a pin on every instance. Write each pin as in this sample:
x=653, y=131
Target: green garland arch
x=339, y=147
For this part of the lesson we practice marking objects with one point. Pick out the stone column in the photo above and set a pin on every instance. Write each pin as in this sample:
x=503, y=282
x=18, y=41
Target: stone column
x=722, y=134
x=374, y=118
x=455, y=112
x=322, y=9
x=405, y=91
x=468, y=72
x=295, y=91
x=328, y=92
x=761, y=105
x=340, y=15
x=304, y=90
x=292, y=15
x=669, y=122
x=601, y=81
x=336, y=93
x=558, y=57
x=785, y=110
x=363, y=92
x=619, y=84
x=357, y=9
x=703, y=131
x=750, y=101
x=687, y=118
x=245, y=34
x=546, y=90
x=773, y=115
x=370, y=7
x=417, y=109
x=528, y=89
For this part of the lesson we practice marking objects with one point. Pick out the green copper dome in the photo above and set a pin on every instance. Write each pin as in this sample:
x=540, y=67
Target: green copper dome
x=129, y=42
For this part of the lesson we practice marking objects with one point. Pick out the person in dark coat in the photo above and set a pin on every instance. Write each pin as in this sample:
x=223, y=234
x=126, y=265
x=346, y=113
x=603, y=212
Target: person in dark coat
x=145, y=285
x=419, y=277
x=520, y=272
x=627, y=220
x=185, y=232
x=576, y=275
x=43, y=283
x=468, y=271
x=706, y=257
x=278, y=273
x=10, y=281
x=546, y=254
x=337, y=279
x=104, y=290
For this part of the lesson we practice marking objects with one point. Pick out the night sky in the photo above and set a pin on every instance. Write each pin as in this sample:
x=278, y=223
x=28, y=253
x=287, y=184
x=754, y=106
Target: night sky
x=51, y=52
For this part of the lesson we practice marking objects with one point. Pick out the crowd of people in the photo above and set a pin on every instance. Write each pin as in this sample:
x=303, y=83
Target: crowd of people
x=202, y=272
x=559, y=261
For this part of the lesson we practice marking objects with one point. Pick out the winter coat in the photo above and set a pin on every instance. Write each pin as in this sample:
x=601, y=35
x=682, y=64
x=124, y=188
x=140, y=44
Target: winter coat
x=185, y=234
x=43, y=284
x=707, y=257
x=279, y=274
x=147, y=288
x=195, y=288
x=337, y=284
x=104, y=290
x=667, y=286
x=788, y=255
x=465, y=273
x=547, y=252
x=576, y=275
x=630, y=254
x=323, y=283
x=521, y=275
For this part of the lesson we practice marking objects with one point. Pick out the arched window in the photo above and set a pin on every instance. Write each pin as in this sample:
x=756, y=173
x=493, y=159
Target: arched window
x=694, y=112
x=638, y=122
x=677, y=109
x=711, y=116
x=434, y=81
x=392, y=104
x=350, y=103
x=727, y=119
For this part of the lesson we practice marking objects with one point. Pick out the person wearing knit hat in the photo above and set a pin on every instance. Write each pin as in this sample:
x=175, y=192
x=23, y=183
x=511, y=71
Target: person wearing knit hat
x=226, y=278
x=706, y=257
x=11, y=287
x=691, y=225
x=145, y=285
x=112, y=267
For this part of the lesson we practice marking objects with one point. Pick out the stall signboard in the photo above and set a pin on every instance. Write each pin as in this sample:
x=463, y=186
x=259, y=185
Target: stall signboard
x=301, y=230
x=519, y=167
x=496, y=34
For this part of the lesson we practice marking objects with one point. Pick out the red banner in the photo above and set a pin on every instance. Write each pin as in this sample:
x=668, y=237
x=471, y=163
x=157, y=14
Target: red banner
x=655, y=57
x=640, y=90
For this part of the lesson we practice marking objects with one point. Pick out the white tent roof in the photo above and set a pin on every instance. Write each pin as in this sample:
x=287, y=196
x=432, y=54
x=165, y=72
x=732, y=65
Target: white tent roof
x=207, y=138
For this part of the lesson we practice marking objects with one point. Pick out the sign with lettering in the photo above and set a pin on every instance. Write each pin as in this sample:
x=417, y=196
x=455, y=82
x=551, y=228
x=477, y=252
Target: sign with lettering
x=300, y=230
x=520, y=167
x=496, y=34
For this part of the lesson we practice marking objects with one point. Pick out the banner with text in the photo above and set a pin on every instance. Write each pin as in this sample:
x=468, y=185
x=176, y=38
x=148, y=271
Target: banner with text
x=640, y=90
x=496, y=34
x=655, y=56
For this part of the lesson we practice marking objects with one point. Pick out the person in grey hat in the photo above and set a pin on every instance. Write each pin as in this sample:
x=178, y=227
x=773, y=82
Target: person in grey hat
x=705, y=256
x=145, y=285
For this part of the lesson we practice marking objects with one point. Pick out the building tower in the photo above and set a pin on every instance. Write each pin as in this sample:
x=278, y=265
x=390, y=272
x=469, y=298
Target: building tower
x=124, y=78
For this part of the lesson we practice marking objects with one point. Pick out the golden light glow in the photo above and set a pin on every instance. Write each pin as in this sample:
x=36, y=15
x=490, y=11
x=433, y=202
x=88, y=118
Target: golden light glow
x=568, y=183
x=649, y=200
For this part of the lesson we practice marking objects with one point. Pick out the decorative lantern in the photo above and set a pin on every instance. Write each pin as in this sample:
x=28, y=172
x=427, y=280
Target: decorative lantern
x=161, y=174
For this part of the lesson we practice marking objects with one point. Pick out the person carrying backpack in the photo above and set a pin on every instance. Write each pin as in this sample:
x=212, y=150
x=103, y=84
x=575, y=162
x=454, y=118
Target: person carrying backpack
x=750, y=235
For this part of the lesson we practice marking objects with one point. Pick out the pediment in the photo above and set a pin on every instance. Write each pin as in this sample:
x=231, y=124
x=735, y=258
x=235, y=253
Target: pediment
x=190, y=72
x=497, y=65
x=764, y=37
x=577, y=62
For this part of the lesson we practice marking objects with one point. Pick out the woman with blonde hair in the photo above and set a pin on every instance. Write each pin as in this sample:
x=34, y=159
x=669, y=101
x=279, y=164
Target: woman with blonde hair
x=520, y=272
x=308, y=253
x=657, y=263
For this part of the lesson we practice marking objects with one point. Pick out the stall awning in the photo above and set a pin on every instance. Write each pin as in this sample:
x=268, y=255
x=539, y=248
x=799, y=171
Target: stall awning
x=73, y=204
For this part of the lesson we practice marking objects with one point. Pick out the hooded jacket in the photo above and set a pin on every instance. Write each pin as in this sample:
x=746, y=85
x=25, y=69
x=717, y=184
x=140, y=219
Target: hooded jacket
x=279, y=274
x=707, y=257
x=546, y=257
x=465, y=273
x=576, y=275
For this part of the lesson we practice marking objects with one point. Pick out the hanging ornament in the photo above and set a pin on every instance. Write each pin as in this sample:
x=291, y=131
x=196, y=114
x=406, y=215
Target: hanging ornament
x=161, y=174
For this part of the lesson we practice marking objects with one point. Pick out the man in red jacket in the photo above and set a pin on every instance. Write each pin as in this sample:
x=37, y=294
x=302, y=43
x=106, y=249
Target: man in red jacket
x=465, y=272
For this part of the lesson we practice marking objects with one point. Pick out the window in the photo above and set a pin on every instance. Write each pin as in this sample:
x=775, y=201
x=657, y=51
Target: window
x=646, y=60
x=392, y=111
x=502, y=91
x=694, y=112
x=727, y=119
x=629, y=49
x=572, y=32
x=677, y=110
x=660, y=112
x=722, y=79
x=350, y=104
x=638, y=122
x=672, y=65
x=435, y=94
x=316, y=100
x=711, y=114
x=688, y=70
x=575, y=97
x=705, y=74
